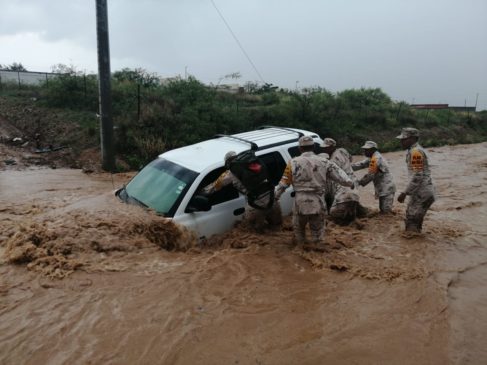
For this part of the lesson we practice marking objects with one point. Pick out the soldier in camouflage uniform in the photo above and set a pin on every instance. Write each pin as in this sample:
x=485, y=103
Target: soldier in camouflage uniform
x=378, y=172
x=342, y=202
x=420, y=185
x=308, y=174
x=255, y=218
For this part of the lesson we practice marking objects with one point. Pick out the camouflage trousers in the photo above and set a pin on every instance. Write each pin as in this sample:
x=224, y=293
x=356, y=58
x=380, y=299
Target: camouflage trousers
x=346, y=212
x=416, y=210
x=386, y=202
x=316, y=226
x=259, y=219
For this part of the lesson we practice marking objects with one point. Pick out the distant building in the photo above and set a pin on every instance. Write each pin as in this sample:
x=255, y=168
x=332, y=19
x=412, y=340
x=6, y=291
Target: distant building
x=429, y=106
x=463, y=108
x=444, y=106
x=230, y=88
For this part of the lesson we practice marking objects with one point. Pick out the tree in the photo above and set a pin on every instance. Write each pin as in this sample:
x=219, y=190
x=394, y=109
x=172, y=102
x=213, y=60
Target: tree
x=251, y=86
x=266, y=88
x=16, y=67
x=138, y=75
x=70, y=70
x=233, y=75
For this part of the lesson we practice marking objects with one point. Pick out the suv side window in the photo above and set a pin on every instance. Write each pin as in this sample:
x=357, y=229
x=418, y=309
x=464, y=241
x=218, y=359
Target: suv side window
x=294, y=151
x=275, y=165
x=225, y=194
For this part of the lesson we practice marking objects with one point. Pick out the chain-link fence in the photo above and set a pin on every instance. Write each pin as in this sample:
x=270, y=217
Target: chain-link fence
x=20, y=78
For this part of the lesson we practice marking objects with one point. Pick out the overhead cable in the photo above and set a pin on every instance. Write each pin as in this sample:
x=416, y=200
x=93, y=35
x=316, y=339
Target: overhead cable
x=238, y=42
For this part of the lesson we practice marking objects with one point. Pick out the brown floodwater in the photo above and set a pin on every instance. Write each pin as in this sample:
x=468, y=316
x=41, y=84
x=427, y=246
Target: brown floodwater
x=86, y=279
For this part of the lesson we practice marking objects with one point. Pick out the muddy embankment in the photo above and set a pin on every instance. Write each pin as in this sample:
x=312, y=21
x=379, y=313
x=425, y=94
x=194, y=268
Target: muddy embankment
x=87, y=279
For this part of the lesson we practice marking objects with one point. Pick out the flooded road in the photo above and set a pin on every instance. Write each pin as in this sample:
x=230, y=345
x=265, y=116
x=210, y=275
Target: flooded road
x=86, y=279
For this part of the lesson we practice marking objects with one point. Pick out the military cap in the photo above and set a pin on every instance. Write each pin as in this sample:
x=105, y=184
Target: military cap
x=408, y=132
x=369, y=144
x=229, y=155
x=328, y=142
x=306, y=141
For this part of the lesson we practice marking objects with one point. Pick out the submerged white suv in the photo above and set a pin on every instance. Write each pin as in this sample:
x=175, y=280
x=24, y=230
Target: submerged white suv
x=170, y=184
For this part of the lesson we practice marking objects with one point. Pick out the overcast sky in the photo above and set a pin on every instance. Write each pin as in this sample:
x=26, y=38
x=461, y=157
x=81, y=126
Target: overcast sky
x=419, y=51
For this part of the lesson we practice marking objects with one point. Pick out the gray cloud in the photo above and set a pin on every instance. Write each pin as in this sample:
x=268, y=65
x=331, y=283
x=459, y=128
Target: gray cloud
x=423, y=49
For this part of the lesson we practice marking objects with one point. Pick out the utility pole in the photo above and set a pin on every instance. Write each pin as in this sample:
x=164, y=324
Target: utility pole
x=104, y=87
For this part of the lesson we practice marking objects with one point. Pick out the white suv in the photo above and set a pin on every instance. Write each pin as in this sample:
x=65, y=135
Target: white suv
x=169, y=184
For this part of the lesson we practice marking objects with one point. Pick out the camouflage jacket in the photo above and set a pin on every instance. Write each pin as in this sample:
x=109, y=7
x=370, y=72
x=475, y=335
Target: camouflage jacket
x=308, y=174
x=419, y=172
x=340, y=193
x=378, y=172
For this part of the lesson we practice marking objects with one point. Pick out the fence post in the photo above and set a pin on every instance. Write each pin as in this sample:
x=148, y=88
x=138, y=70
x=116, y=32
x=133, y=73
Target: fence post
x=84, y=82
x=138, y=102
x=47, y=82
x=18, y=78
x=398, y=111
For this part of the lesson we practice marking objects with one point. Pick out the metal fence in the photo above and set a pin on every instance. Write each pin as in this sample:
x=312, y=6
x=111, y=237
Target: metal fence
x=26, y=77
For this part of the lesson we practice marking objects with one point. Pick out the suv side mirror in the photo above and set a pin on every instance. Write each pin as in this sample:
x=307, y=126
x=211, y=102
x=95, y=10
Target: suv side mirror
x=198, y=203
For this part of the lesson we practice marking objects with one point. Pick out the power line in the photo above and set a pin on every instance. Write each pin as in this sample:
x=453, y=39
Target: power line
x=238, y=42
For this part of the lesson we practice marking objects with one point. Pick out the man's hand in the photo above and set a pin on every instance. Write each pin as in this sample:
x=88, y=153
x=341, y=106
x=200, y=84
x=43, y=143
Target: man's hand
x=401, y=197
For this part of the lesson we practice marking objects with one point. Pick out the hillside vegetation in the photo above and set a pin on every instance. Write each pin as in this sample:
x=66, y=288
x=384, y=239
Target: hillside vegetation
x=150, y=118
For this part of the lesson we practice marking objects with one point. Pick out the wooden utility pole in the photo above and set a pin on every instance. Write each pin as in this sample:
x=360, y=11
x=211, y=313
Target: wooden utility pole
x=104, y=87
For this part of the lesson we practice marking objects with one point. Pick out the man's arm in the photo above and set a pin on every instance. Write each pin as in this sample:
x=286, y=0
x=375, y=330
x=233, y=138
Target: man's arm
x=361, y=164
x=374, y=168
x=337, y=174
x=223, y=180
x=286, y=181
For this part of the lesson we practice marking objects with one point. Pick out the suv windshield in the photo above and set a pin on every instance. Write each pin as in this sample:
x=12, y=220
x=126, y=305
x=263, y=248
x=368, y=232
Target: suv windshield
x=160, y=185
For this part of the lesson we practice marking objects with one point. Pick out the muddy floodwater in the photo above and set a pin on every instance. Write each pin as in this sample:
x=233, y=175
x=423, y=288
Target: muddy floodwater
x=86, y=279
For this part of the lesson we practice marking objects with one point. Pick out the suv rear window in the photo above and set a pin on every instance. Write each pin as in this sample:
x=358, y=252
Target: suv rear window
x=275, y=165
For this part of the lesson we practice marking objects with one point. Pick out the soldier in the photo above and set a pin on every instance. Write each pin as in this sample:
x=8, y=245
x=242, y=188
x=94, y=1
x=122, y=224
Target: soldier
x=255, y=218
x=342, y=202
x=420, y=185
x=308, y=174
x=378, y=173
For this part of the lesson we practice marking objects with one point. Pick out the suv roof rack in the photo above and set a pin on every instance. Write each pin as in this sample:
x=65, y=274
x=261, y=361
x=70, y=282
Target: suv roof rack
x=300, y=134
x=253, y=146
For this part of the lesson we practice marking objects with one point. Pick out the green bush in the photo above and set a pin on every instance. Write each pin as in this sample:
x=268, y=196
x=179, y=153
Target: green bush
x=150, y=118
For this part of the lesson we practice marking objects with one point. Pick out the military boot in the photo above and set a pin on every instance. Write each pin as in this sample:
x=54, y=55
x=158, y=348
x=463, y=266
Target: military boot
x=413, y=226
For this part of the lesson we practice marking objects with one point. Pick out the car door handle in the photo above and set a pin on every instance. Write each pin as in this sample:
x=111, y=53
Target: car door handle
x=239, y=211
